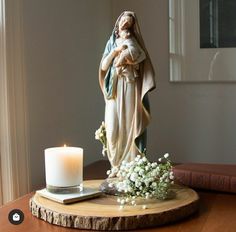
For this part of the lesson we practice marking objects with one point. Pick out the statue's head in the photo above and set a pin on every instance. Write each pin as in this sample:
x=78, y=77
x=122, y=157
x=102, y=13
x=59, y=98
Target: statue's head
x=126, y=22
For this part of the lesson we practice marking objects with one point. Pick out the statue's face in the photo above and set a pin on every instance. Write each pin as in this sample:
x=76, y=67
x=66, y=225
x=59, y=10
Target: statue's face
x=125, y=22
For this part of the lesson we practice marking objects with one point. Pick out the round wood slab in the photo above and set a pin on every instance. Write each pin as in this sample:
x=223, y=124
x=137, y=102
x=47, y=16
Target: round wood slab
x=104, y=213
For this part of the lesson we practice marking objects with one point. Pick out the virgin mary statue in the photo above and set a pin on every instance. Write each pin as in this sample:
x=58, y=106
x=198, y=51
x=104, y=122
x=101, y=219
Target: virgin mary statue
x=126, y=75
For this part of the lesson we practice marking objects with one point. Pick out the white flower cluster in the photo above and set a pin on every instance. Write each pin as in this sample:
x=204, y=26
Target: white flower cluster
x=100, y=135
x=141, y=178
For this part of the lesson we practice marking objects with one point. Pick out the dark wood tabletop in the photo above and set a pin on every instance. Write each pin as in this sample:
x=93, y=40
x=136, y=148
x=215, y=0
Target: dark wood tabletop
x=217, y=212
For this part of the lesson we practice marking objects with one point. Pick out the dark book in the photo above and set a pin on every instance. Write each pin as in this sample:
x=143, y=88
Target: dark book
x=219, y=177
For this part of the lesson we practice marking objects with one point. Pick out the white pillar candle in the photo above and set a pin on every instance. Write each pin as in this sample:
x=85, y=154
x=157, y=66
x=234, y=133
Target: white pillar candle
x=64, y=166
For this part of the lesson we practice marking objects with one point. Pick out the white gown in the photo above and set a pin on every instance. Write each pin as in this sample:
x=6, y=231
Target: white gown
x=121, y=111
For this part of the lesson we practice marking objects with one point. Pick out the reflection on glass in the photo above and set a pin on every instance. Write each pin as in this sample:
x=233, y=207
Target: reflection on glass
x=176, y=41
x=217, y=23
x=188, y=61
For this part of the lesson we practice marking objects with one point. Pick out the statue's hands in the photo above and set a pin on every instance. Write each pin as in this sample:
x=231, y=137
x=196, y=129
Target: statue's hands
x=123, y=58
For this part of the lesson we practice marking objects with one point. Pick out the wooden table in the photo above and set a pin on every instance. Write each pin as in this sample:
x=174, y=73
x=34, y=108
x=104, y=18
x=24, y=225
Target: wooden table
x=217, y=212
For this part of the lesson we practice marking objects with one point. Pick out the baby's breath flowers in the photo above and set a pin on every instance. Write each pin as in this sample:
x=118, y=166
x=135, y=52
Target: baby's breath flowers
x=141, y=178
x=100, y=135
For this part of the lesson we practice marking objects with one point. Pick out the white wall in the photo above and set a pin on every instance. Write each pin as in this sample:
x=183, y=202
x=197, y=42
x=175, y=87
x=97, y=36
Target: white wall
x=64, y=41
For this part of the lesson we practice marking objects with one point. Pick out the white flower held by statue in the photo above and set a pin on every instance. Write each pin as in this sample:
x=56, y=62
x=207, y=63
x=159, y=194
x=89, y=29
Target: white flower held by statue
x=100, y=135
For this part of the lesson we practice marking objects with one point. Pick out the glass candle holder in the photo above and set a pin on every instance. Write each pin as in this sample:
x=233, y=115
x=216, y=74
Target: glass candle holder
x=64, y=169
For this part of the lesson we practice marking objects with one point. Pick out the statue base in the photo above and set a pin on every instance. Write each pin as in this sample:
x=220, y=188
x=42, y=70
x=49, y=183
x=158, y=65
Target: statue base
x=105, y=188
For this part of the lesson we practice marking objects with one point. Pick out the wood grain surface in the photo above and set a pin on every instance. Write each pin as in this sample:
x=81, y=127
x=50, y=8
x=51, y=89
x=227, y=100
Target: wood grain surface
x=104, y=213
